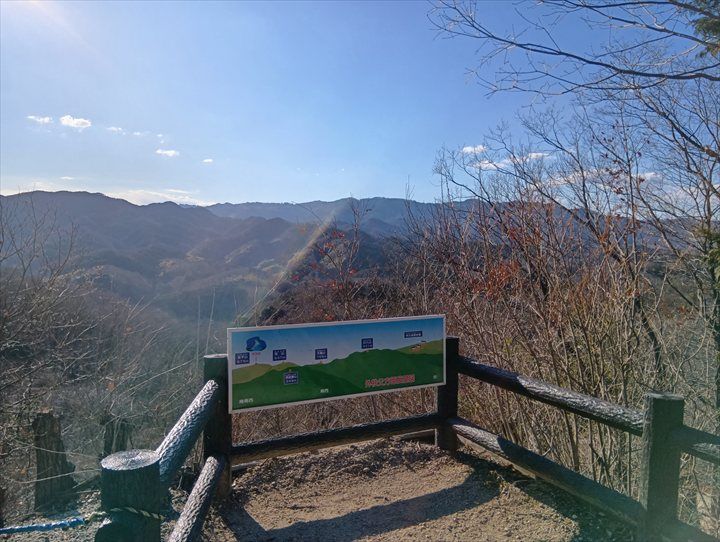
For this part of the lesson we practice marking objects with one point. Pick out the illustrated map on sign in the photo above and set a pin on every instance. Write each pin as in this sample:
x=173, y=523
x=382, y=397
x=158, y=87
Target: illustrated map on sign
x=278, y=365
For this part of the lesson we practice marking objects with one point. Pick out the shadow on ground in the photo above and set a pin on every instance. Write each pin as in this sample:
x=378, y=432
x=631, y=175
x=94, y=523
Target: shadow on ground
x=482, y=485
x=591, y=524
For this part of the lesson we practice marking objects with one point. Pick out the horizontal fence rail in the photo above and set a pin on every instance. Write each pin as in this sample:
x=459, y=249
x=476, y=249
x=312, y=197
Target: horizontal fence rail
x=660, y=426
x=134, y=483
x=176, y=445
x=697, y=443
x=626, y=419
x=252, y=451
x=189, y=525
x=700, y=444
x=597, y=494
x=621, y=506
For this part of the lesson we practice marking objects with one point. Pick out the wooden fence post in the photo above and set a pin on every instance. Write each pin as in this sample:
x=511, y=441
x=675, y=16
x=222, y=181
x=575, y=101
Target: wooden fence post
x=447, y=397
x=54, y=485
x=660, y=474
x=217, y=437
x=131, y=480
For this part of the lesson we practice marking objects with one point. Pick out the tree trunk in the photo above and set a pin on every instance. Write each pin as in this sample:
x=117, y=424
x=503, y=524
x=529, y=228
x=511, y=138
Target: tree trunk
x=117, y=436
x=54, y=484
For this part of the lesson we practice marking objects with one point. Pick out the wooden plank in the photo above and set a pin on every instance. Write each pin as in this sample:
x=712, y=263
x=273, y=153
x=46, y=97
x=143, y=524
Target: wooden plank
x=619, y=417
x=245, y=453
x=189, y=526
x=700, y=444
x=660, y=472
x=217, y=436
x=576, y=484
x=447, y=396
x=176, y=446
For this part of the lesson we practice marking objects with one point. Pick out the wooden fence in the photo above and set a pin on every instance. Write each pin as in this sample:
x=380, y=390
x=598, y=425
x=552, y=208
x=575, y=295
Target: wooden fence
x=134, y=483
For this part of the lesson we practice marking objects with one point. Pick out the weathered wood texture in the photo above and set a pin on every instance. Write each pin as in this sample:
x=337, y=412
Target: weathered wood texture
x=217, y=436
x=176, y=446
x=54, y=484
x=244, y=453
x=660, y=473
x=189, y=525
x=130, y=479
x=627, y=419
x=596, y=494
x=447, y=396
x=700, y=444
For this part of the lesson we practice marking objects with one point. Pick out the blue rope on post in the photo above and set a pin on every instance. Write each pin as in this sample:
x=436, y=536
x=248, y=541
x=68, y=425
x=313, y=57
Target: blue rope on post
x=49, y=526
x=78, y=521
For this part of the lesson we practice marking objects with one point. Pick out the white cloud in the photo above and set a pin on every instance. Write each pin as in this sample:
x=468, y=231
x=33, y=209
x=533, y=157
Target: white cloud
x=536, y=155
x=115, y=129
x=167, y=152
x=77, y=123
x=40, y=120
x=66, y=178
x=143, y=197
x=477, y=149
x=208, y=161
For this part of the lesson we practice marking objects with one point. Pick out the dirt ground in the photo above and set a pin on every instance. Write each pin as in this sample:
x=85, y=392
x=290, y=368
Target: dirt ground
x=385, y=490
x=393, y=490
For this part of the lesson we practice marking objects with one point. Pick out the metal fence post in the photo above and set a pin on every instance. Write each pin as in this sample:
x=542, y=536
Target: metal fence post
x=447, y=396
x=131, y=493
x=217, y=437
x=660, y=474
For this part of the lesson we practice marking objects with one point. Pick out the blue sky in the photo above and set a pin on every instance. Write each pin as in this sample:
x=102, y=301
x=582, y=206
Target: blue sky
x=213, y=102
x=341, y=340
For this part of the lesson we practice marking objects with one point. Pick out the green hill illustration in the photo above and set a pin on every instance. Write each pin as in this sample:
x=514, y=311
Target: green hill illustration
x=251, y=372
x=266, y=384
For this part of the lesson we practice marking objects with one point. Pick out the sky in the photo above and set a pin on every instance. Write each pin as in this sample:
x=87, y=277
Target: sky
x=233, y=102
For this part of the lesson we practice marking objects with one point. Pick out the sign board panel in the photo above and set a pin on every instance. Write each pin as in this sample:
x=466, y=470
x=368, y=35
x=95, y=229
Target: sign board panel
x=283, y=365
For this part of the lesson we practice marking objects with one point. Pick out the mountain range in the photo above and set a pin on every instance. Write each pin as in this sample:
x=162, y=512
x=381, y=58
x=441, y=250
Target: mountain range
x=200, y=262
x=195, y=260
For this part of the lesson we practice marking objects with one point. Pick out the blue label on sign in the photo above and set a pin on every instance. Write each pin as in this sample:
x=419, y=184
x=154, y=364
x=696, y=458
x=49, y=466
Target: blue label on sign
x=291, y=377
x=411, y=334
x=321, y=353
x=242, y=358
x=280, y=355
x=367, y=343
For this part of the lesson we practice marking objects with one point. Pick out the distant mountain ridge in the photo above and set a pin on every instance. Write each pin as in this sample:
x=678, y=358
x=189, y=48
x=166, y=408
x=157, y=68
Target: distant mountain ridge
x=184, y=260
x=379, y=216
x=191, y=260
x=217, y=260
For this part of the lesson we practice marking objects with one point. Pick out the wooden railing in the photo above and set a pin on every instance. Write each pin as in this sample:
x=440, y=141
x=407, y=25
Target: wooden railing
x=134, y=484
x=664, y=439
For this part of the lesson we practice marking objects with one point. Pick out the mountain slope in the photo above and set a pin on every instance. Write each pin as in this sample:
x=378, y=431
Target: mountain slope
x=184, y=260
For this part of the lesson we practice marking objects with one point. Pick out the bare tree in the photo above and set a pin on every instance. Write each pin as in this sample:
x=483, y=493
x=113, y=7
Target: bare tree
x=649, y=43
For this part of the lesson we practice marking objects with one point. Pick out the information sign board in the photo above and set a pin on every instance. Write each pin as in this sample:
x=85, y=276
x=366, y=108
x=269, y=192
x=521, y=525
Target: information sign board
x=280, y=365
